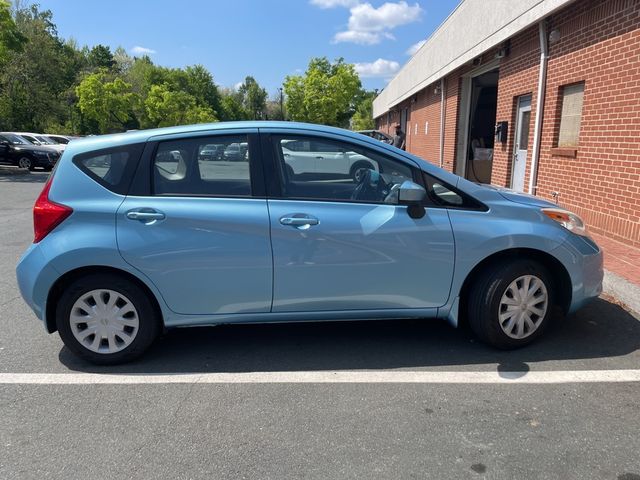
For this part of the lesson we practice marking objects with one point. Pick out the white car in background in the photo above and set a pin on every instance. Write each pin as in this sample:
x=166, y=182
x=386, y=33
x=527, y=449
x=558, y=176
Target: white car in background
x=43, y=140
x=303, y=157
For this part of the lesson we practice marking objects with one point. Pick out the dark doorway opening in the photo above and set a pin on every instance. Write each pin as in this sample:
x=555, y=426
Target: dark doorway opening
x=482, y=120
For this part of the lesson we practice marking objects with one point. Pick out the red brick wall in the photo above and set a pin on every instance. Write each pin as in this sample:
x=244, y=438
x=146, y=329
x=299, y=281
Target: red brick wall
x=599, y=45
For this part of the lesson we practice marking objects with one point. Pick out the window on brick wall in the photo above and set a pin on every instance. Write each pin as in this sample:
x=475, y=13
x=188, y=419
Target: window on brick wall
x=571, y=97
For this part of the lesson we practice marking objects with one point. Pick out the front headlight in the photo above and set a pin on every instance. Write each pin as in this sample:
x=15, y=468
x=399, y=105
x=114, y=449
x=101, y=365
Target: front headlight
x=568, y=220
x=40, y=154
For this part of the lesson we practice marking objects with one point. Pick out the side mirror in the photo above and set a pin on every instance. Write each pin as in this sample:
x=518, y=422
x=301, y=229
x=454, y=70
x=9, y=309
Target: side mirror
x=411, y=193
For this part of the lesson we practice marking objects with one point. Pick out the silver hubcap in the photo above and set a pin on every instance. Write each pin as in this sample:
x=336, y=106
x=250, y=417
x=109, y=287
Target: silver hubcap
x=24, y=162
x=104, y=321
x=523, y=306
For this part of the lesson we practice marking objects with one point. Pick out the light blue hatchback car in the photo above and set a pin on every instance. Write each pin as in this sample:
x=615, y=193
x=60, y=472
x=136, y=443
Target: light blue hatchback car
x=144, y=231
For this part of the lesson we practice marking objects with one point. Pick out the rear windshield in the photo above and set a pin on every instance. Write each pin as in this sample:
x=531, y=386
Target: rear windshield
x=112, y=168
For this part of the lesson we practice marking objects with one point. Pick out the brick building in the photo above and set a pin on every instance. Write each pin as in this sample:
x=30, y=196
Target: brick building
x=489, y=63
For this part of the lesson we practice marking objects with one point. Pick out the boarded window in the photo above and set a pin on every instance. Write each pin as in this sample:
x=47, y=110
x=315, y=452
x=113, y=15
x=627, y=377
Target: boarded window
x=571, y=117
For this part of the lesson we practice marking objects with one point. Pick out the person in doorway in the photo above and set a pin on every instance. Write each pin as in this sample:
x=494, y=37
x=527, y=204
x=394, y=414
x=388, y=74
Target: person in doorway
x=399, y=138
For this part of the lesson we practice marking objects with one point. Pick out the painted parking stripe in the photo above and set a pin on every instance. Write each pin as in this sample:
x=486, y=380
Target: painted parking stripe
x=386, y=376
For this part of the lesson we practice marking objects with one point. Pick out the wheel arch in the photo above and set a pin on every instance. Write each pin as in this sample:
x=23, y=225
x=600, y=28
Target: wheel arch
x=61, y=283
x=556, y=269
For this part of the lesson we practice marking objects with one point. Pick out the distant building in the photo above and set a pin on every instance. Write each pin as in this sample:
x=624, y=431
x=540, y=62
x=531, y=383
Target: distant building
x=489, y=63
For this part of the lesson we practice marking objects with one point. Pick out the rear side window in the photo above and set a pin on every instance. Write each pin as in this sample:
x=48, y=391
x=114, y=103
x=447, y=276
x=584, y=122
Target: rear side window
x=112, y=167
x=205, y=166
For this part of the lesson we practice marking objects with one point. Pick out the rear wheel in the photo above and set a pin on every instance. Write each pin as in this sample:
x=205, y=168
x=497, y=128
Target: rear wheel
x=106, y=319
x=510, y=303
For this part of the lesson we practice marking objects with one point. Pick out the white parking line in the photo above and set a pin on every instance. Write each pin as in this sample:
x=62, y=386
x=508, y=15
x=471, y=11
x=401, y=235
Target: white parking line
x=367, y=376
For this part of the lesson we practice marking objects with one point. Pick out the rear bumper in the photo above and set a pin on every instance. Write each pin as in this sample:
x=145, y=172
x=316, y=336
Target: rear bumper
x=35, y=277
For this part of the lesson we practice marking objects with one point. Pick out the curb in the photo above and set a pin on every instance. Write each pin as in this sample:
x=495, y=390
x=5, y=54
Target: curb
x=622, y=290
x=14, y=171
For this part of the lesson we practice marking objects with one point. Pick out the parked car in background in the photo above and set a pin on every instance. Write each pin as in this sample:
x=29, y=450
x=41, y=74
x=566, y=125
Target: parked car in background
x=39, y=139
x=62, y=139
x=212, y=152
x=378, y=135
x=16, y=150
x=322, y=158
x=236, y=152
x=123, y=248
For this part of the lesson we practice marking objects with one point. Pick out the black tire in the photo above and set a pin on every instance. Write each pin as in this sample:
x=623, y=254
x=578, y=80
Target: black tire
x=26, y=163
x=149, y=323
x=360, y=165
x=485, y=297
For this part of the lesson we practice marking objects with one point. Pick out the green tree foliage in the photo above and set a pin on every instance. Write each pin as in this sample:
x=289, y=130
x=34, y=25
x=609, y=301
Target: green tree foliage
x=33, y=81
x=325, y=94
x=165, y=107
x=108, y=103
x=48, y=84
x=254, y=98
x=363, y=118
x=100, y=57
x=10, y=37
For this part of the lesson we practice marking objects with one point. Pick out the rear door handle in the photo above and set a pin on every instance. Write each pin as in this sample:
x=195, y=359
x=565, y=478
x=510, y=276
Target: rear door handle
x=146, y=215
x=300, y=221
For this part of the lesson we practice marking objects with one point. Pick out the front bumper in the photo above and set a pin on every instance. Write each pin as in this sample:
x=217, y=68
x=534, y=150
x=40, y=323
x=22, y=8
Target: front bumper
x=583, y=259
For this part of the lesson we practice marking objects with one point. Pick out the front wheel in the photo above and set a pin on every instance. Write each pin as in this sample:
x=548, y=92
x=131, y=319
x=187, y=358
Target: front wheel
x=510, y=303
x=106, y=319
x=26, y=163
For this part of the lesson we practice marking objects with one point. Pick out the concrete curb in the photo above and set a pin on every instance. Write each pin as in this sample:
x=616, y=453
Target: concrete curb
x=622, y=290
x=14, y=171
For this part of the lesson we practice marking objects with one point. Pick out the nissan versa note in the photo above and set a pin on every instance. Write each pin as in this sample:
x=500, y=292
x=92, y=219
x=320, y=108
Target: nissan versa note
x=136, y=233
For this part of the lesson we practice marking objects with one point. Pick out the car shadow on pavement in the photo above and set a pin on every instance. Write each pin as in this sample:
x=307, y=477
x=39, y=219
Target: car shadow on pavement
x=35, y=177
x=601, y=330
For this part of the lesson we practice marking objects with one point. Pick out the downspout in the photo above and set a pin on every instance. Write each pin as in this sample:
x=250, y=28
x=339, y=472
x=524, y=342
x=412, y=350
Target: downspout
x=442, y=119
x=542, y=88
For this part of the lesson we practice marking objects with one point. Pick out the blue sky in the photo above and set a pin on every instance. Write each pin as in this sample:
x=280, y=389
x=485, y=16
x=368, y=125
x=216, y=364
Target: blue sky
x=268, y=39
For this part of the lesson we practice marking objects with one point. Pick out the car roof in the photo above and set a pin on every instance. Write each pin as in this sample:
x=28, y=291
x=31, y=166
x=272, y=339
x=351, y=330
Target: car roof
x=137, y=136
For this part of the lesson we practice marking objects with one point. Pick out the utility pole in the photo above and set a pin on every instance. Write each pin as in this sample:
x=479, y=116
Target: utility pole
x=281, y=103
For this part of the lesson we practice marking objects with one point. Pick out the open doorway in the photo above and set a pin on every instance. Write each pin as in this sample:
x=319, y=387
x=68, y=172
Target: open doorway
x=482, y=119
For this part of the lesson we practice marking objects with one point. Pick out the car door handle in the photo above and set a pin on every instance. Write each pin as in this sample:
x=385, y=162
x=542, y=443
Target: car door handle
x=299, y=221
x=146, y=215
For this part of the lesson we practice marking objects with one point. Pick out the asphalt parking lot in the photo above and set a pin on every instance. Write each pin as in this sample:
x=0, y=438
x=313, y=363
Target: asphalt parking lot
x=396, y=399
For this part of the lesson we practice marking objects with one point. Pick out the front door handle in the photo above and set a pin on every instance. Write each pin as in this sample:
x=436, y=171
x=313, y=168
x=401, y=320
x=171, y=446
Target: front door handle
x=146, y=215
x=300, y=221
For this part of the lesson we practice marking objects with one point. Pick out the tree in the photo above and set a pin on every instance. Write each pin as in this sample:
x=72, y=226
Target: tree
x=254, y=98
x=325, y=94
x=231, y=106
x=166, y=107
x=34, y=79
x=108, y=103
x=100, y=57
x=10, y=37
x=363, y=118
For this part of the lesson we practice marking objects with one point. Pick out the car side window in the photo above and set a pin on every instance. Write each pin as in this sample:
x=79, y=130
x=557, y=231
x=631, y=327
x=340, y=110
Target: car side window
x=203, y=166
x=325, y=169
x=112, y=167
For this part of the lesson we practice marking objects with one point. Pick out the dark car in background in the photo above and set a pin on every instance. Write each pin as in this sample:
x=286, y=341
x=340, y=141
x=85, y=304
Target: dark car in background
x=378, y=135
x=15, y=150
x=212, y=152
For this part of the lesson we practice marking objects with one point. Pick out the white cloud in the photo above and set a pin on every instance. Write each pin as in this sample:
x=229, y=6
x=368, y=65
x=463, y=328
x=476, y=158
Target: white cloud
x=334, y=3
x=381, y=68
x=415, y=47
x=369, y=25
x=138, y=50
x=361, y=38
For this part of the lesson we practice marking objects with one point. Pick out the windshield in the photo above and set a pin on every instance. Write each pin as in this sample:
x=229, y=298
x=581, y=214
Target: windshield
x=45, y=140
x=15, y=139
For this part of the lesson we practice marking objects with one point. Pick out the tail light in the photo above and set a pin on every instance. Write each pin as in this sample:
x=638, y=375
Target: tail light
x=47, y=215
